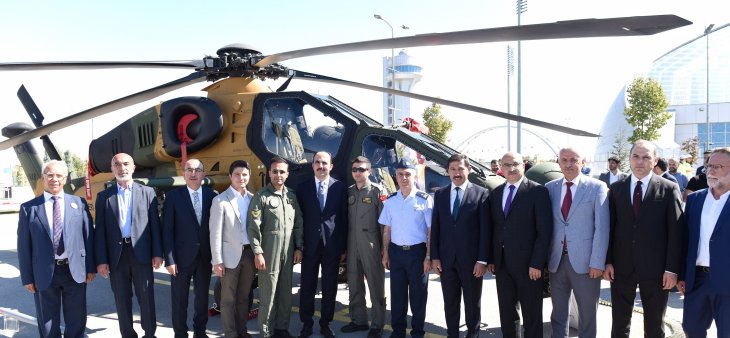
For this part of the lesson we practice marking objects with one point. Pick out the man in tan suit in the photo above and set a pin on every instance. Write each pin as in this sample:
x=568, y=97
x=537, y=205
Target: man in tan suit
x=232, y=257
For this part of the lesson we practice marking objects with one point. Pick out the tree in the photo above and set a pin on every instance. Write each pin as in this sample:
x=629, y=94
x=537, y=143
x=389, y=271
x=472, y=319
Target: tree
x=691, y=146
x=19, y=177
x=620, y=149
x=646, y=110
x=76, y=166
x=436, y=122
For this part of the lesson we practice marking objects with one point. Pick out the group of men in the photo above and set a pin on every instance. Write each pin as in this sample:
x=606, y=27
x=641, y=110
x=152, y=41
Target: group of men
x=631, y=233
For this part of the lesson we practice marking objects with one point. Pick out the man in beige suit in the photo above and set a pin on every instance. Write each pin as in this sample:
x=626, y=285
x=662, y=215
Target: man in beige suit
x=232, y=257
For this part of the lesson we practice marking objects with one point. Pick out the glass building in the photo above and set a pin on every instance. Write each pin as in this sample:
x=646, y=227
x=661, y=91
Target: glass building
x=683, y=73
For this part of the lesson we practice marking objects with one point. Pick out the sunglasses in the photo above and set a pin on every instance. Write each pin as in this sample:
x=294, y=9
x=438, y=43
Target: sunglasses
x=359, y=170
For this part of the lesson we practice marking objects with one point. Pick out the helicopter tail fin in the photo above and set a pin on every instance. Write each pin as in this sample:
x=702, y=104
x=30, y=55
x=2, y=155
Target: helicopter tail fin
x=26, y=152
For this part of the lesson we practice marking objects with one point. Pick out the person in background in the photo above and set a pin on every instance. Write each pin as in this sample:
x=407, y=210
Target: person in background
x=613, y=174
x=682, y=179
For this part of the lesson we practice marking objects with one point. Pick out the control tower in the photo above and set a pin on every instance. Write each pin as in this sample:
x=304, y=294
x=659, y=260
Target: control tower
x=404, y=76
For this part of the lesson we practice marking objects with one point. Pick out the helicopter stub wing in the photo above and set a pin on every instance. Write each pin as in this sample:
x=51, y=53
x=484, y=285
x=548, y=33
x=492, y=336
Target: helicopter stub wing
x=490, y=112
x=586, y=28
x=105, y=108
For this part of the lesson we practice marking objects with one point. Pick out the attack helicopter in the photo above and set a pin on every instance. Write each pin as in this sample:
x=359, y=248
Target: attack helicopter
x=241, y=118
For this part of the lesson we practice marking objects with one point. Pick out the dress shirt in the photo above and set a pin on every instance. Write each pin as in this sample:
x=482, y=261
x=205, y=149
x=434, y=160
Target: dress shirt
x=710, y=214
x=124, y=201
x=326, y=184
x=573, y=188
x=613, y=178
x=505, y=192
x=644, y=186
x=409, y=218
x=48, y=205
x=242, y=201
x=452, y=196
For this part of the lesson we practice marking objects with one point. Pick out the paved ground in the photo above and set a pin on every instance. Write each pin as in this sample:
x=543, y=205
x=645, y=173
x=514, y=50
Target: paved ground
x=102, y=317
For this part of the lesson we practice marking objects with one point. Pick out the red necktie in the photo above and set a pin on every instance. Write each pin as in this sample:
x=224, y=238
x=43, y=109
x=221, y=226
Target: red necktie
x=567, y=201
x=638, y=194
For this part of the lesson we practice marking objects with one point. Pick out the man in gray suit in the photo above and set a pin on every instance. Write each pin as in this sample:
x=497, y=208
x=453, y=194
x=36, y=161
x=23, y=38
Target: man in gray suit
x=230, y=248
x=579, y=243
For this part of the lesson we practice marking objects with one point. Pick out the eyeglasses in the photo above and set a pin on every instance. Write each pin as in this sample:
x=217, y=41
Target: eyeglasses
x=712, y=166
x=278, y=172
x=511, y=165
x=359, y=170
x=193, y=170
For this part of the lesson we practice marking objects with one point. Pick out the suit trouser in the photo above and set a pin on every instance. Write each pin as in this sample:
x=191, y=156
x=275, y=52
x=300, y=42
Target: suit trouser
x=235, y=290
x=199, y=271
x=310, y=270
x=408, y=282
x=586, y=291
x=366, y=263
x=130, y=272
x=514, y=287
x=63, y=289
x=653, y=301
x=702, y=304
x=455, y=280
x=275, y=294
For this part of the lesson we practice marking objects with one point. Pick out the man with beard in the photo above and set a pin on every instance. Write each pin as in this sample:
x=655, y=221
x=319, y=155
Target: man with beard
x=682, y=179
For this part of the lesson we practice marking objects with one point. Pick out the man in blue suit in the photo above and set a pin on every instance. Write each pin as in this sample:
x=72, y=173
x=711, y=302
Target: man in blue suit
x=460, y=237
x=56, y=254
x=128, y=244
x=324, y=213
x=186, y=243
x=706, y=273
x=580, y=240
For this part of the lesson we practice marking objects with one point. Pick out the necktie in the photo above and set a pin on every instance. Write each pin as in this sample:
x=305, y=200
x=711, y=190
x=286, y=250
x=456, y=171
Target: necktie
x=197, y=208
x=320, y=194
x=565, y=209
x=638, y=194
x=57, y=227
x=509, y=200
x=457, y=204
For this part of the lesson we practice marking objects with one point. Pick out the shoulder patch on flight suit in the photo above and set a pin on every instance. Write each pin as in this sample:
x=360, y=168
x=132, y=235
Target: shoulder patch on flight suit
x=422, y=194
x=255, y=213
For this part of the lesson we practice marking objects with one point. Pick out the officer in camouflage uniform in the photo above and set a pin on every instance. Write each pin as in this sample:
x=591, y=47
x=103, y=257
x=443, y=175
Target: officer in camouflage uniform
x=274, y=228
x=364, y=254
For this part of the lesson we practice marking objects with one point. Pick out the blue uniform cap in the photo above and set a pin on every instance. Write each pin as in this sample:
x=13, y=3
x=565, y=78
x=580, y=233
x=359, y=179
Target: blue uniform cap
x=405, y=163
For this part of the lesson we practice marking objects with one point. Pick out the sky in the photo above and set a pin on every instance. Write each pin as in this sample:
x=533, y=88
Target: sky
x=571, y=82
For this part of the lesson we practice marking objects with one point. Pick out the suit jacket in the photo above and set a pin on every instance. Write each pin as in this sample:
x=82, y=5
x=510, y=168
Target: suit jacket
x=606, y=177
x=719, y=275
x=146, y=236
x=36, y=257
x=524, y=235
x=650, y=244
x=226, y=229
x=667, y=176
x=586, y=229
x=333, y=217
x=465, y=241
x=182, y=236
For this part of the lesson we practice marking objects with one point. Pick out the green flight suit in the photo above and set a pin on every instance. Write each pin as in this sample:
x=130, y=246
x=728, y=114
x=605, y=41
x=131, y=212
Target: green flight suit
x=274, y=228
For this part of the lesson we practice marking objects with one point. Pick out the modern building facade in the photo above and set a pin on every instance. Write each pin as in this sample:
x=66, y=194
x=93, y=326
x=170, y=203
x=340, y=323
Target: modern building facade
x=402, y=74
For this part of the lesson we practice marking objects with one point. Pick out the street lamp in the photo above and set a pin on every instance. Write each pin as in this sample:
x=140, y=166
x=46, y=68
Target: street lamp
x=391, y=99
x=521, y=7
x=510, y=71
x=708, y=30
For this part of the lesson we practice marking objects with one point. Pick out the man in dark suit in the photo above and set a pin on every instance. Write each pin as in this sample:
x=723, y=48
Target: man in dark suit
x=613, y=174
x=706, y=275
x=129, y=244
x=56, y=254
x=521, y=222
x=706, y=158
x=186, y=243
x=661, y=170
x=324, y=213
x=460, y=237
x=645, y=242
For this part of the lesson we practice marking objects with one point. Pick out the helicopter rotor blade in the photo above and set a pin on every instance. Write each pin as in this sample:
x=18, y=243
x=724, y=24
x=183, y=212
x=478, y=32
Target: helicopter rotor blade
x=88, y=65
x=586, y=28
x=105, y=108
x=490, y=112
x=37, y=117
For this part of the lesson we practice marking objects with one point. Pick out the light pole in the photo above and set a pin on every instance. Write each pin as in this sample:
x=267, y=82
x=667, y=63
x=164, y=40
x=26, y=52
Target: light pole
x=708, y=30
x=521, y=7
x=391, y=99
x=510, y=71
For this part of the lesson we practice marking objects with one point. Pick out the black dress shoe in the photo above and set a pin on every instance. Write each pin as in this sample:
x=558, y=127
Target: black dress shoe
x=306, y=331
x=245, y=335
x=352, y=327
x=375, y=333
x=474, y=334
x=326, y=331
x=200, y=335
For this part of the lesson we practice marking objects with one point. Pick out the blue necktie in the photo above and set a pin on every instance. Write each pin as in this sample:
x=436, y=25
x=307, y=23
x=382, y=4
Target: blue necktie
x=457, y=204
x=320, y=195
x=509, y=200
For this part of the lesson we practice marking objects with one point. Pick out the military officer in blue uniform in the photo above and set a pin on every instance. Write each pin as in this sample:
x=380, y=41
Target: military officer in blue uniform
x=406, y=218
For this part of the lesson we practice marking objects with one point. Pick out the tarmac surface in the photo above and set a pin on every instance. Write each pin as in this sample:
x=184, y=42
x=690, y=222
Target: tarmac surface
x=102, y=316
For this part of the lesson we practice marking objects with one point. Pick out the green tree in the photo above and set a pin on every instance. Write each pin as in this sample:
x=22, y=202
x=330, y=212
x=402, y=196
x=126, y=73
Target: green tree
x=691, y=146
x=620, y=149
x=76, y=166
x=436, y=122
x=646, y=110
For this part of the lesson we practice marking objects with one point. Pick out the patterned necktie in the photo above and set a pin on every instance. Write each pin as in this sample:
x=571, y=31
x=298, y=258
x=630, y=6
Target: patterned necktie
x=509, y=200
x=457, y=204
x=320, y=195
x=197, y=208
x=638, y=195
x=57, y=227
